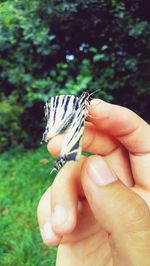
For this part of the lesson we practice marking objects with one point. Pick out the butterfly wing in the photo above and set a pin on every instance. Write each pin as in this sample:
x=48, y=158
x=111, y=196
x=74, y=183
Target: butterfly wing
x=71, y=148
x=59, y=111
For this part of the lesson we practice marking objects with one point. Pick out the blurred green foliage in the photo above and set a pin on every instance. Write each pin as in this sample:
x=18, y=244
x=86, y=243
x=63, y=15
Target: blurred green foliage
x=55, y=47
x=10, y=113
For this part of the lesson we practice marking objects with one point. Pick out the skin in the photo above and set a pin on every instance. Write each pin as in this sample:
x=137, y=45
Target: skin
x=97, y=209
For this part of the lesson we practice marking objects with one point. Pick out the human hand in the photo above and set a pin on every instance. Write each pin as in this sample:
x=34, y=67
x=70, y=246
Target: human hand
x=111, y=223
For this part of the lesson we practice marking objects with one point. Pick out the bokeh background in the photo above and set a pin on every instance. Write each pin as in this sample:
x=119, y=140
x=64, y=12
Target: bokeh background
x=50, y=47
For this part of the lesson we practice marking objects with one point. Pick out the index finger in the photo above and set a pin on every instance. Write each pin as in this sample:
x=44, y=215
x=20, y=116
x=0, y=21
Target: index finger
x=126, y=126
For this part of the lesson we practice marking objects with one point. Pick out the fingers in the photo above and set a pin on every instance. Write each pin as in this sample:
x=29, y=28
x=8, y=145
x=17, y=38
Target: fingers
x=121, y=212
x=94, y=141
x=57, y=209
x=64, y=198
x=99, y=143
x=131, y=130
x=50, y=238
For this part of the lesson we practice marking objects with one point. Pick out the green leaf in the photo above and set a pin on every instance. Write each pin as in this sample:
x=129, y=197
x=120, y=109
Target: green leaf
x=93, y=49
x=99, y=57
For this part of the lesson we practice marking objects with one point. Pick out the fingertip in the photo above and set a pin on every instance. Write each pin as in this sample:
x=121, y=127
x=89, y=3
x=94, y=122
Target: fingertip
x=112, y=113
x=50, y=238
x=54, y=145
x=99, y=108
x=63, y=220
x=95, y=101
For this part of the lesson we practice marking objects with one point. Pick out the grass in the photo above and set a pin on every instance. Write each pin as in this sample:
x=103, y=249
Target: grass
x=23, y=179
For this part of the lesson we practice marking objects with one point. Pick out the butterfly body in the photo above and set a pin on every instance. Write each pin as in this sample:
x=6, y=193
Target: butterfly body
x=61, y=111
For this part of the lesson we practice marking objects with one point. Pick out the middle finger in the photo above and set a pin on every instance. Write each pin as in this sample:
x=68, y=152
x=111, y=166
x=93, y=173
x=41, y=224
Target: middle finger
x=97, y=142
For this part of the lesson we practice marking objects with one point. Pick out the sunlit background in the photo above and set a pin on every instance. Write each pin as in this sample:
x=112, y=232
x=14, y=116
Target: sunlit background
x=55, y=47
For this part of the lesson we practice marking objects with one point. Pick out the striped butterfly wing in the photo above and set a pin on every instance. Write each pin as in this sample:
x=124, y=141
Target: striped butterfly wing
x=71, y=148
x=59, y=112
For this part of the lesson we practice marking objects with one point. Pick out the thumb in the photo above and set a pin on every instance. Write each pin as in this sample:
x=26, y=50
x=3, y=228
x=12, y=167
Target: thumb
x=120, y=211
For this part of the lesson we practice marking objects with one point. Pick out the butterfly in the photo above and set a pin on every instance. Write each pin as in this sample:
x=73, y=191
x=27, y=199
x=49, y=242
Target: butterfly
x=61, y=111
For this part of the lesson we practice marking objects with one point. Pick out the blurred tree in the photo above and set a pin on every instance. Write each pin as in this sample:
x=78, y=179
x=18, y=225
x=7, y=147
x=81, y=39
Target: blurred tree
x=55, y=47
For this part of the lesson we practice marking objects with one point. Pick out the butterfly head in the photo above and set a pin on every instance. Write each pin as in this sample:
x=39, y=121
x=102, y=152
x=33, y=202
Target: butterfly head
x=87, y=96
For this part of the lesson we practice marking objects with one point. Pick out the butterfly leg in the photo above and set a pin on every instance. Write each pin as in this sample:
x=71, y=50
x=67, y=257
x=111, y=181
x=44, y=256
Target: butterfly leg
x=59, y=163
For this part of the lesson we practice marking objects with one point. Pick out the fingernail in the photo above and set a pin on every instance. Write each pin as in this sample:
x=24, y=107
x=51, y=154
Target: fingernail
x=100, y=173
x=99, y=109
x=48, y=235
x=59, y=215
x=95, y=101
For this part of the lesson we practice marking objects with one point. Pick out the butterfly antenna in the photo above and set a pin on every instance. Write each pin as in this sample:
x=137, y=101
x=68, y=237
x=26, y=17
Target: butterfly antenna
x=93, y=93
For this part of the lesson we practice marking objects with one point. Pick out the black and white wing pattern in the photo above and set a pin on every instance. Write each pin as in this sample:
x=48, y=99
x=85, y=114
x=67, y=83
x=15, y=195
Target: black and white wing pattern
x=59, y=111
x=71, y=148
